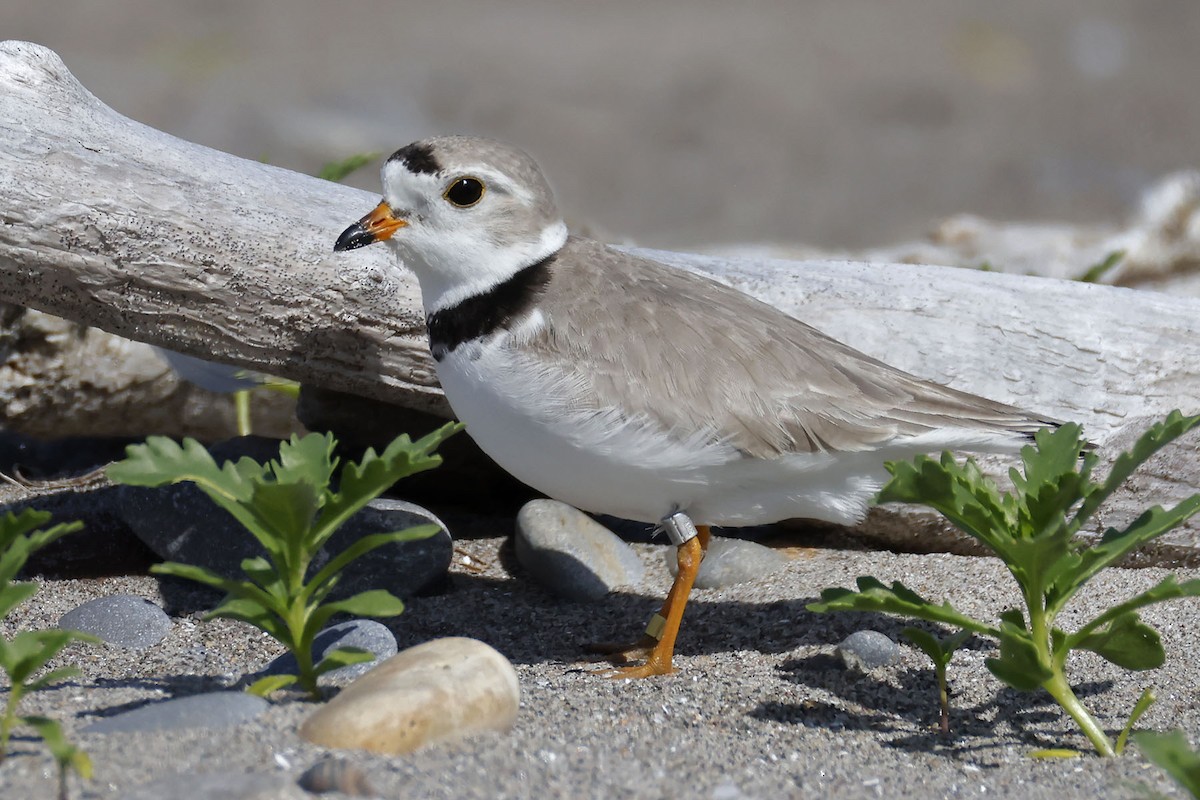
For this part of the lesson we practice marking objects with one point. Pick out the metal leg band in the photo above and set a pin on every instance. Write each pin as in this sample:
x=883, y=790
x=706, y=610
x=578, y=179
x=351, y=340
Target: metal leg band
x=679, y=528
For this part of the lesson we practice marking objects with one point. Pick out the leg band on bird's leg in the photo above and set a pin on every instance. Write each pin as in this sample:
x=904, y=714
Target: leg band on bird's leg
x=658, y=661
x=679, y=528
x=654, y=628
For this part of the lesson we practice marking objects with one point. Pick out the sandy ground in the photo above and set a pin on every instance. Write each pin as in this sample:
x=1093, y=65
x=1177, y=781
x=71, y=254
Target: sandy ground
x=760, y=707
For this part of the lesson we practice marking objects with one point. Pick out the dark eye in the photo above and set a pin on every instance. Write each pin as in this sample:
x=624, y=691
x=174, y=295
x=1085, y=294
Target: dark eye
x=464, y=192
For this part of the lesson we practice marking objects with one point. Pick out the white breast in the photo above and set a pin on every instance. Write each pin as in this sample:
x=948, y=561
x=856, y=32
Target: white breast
x=528, y=419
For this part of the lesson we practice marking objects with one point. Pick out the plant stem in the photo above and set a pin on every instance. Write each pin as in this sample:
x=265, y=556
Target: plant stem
x=301, y=646
x=1061, y=691
x=10, y=717
x=943, y=699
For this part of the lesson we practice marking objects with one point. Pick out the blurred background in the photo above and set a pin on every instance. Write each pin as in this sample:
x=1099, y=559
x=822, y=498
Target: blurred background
x=683, y=123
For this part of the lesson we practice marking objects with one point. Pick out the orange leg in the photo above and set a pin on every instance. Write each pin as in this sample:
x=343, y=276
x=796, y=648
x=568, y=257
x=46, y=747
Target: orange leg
x=658, y=644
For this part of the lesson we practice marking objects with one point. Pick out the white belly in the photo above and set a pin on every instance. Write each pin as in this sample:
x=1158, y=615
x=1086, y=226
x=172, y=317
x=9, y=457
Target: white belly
x=604, y=462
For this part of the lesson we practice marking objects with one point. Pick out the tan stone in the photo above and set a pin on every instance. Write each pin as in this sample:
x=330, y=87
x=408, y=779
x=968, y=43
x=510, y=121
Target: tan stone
x=435, y=692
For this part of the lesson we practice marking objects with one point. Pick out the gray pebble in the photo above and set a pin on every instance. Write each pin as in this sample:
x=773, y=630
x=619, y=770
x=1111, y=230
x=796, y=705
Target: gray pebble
x=121, y=619
x=219, y=786
x=180, y=523
x=866, y=650
x=365, y=633
x=571, y=554
x=336, y=775
x=210, y=710
x=729, y=562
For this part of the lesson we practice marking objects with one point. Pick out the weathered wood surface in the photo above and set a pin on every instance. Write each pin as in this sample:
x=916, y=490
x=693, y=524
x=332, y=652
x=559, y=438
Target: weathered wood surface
x=111, y=223
x=117, y=225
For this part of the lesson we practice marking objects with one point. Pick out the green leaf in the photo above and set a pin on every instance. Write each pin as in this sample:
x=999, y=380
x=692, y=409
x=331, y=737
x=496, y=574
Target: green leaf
x=65, y=753
x=361, y=547
x=14, y=594
x=29, y=651
x=161, y=461
x=371, y=603
x=1153, y=440
x=14, y=525
x=1094, y=273
x=337, y=171
x=362, y=482
x=926, y=642
x=264, y=575
x=285, y=513
x=1114, y=546
x=307, y=460
x=961, y=493
x=1050, y=483
x=940, y=651
x=1171, y=752
x=18, y=540
x=1143, y=704
x=198, y=574
x=1169, y=588
x=1019, y=665
x=52, y=676
x=1127, y=642
x=343, y=657
x=272, y=683
x=872, y=595
x=254, y=613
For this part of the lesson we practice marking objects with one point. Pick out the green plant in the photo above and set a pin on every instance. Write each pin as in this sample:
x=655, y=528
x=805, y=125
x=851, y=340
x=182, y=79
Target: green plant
x=941, y=652
x=1171, y=752
x=290, y=507
x=28, y=652
x=1094, y=273
x=338, y=170
x=1032, y=529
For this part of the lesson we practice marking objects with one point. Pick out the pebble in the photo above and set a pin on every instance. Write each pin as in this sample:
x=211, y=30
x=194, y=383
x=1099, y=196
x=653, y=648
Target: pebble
x=866, y=650
x=571, y=554
x=219, y=786
x=209, y=710
x=438, y=691
x=336, y=775
x=365, y=633
x=180, y=523
x=124, y=620
x=729, y=562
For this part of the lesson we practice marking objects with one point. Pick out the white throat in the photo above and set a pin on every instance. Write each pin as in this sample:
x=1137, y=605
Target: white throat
x=460, y=266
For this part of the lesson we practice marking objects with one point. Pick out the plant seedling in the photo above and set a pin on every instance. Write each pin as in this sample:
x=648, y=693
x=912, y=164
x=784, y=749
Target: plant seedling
x=1097, y=271
x=338, y=171
x=290, y=507
x=1032, y=529
x=24, y=655
x=941, y=651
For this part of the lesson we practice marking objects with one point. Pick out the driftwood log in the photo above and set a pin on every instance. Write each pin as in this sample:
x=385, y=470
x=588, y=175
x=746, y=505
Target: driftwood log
x=113, y=224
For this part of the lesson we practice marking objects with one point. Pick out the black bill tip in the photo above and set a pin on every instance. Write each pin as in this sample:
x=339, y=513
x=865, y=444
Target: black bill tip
x=354, y=237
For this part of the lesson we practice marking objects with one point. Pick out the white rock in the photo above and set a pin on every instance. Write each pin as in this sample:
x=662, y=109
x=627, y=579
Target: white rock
x=435, y=692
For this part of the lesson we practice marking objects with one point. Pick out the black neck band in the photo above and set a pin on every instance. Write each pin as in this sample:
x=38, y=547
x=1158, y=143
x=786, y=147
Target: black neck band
x=481, y=314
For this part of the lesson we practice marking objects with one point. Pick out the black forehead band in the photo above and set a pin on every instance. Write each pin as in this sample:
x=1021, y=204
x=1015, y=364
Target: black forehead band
x=418, y=158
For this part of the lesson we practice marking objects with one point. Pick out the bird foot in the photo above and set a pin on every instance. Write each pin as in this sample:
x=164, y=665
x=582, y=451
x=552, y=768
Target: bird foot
x=649, y=654
x=623, y=653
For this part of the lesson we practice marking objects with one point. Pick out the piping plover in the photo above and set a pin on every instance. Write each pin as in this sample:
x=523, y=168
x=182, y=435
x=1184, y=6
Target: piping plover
x=627, y=387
